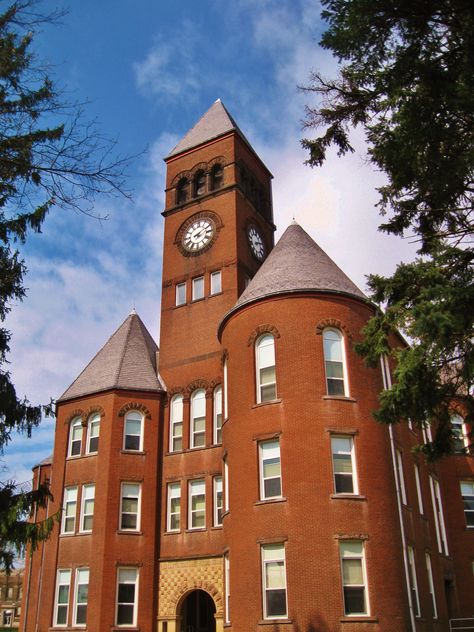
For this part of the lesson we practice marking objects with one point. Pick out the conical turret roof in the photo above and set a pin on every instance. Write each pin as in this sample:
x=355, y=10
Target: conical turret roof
x=214, y=123
x=296, y=264
x=126, y=361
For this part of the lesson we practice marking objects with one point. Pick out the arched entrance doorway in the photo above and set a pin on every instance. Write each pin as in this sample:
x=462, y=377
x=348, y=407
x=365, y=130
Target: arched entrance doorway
x=197, y=612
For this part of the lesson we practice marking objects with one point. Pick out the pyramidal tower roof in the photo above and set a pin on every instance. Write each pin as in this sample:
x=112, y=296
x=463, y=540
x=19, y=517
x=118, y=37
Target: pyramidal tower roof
x=214, y=123
x=126, y=361
x=296, y=264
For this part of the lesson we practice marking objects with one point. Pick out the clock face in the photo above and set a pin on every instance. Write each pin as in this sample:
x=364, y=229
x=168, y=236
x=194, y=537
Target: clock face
x=198, y=235
x=256, y=242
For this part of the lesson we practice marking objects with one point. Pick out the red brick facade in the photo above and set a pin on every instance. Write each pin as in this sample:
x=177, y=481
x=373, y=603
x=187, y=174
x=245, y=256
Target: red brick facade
x=287, y=550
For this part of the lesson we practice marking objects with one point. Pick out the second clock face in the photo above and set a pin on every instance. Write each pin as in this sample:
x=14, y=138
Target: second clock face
x=198, y=235
x=256, y=242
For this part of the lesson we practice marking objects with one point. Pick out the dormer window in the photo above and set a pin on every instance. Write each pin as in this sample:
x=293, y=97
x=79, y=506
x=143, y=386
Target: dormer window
x=182, y=191
x=199, y=183
x=217, y=177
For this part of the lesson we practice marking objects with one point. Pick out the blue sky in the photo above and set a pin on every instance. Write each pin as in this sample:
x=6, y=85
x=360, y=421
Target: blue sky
x=149, y=70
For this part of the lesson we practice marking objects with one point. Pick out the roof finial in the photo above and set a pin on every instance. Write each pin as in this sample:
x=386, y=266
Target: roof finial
x=133, y=311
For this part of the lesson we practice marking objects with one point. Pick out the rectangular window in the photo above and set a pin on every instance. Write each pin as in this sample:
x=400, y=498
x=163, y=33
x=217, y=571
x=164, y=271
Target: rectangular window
x=93, y=431
x=266, y=370
x=176, y=423
x=413, y=583
x=127, y=596
x=418, y=488
x=438, y=516
x=274, y=581
x=343, y=462
x=198, y=288
x=69, y=510
x=227, y=587
x=75, y=437
x=197, y=504
x=217, y=415
x=63, y=582
x=218, y=504
x=429, y=572
x=270, y=469
x=130, y=507
x=401, y=477
x=353, y=577
x=133, y=436
x=87, y=508
x=467, y=493
x=460, y=435
x=180, y=294
x=216, y=282
x=226, y=485
x=174, y=507
x=81, y=596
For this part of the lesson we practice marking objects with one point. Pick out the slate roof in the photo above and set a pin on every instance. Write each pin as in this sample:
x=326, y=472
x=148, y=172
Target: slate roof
x=214, y=123
x=296, y=264
x=126, y=361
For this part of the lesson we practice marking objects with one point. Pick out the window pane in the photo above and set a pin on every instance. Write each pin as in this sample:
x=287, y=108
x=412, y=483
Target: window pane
x=181, y=294
x=332, y=346
x=335, y=387
x=272, y=487
x=342, y=463
x=126, y=593
x=81, y=613
x=334, y=370
x=268, y=393
x=344, y=484
x=133, y=427
x=61, y=615
x=352, y=572
x=350, y=548
x=354, y=600
x=132, y=442
x=276, y=603
x=125, y=614
x=198, y=288
x=63, y=594
x=216, y=285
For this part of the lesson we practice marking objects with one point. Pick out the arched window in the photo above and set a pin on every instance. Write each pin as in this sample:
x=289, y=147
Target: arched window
x=176, y=423
x=75, y=437
x=199, y=183
x=182, y=191
x=217, y=177
x=198, y=419
x=217, y=415
x=460, y=438
x=336, y=381
x=133, y=431
x=266, y=375
x=93, y=431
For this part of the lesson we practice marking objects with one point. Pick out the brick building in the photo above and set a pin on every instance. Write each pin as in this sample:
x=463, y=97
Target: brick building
x=11, y=587
x=236, y=479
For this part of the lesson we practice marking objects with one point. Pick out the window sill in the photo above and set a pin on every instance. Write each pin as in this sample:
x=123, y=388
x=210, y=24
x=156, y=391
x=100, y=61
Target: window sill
x=197, y=300
x=137, y=452
x=359, y=619
x=199, y=530
x=274, y=621
x=216, y=527
x=216, y=294
x=271, y=501
x=340, y=398
x=125, y=532
x=349, y=497
x=131, y=628
x=273, y=401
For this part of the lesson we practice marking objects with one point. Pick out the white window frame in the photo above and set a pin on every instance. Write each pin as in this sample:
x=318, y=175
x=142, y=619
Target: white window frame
x=217, y=415
x=218, y=500
x=269, y=451
x=196, y=283
x=467, y=484
x=351, y=453
x=136, y=513
x=93, y=422
x=79, y=583
x=216, y=278
x=261, y=343
x=75, y=423
x=133, y=415
x=57, y=605
x=413, y=580
x=364, y=585
x=227, y=587
x=226, y=485
x=460, y=433
x=176, y=422
x=179, y=299
x=344, y=379
x=431, y=588
x=85, y=496
x=401, y=477
x=197, y=395
x=196, y=487
x=69, y=501
x=419, y=495
x=438, y=515
x=226, y=388
x=125, y=569
x=271, y=553
x=173, y=492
